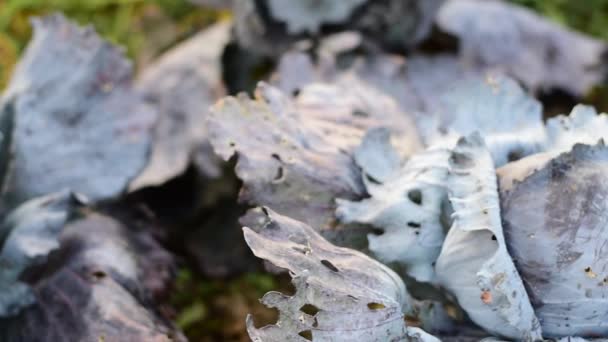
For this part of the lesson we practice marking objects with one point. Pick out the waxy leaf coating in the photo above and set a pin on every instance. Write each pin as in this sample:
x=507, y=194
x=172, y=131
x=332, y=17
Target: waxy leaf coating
x=555, y=228
x=495, y=106
x=583, y=126
x=474, y=264
x=406, y=203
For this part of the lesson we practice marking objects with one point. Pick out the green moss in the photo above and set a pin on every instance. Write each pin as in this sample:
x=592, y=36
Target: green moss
x=8, y=57
x=215, y=309
x=589, y=16
x=191, y=315
x=143, y=27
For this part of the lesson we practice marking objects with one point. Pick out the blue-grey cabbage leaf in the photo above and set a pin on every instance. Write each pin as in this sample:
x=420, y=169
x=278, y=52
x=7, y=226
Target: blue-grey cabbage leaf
x=294, y=153
x=183, y=83
x=495, y=106
x=27, y=236
x=499, y=36
x=474, y=264
x=99, y=284
x=341, y=294
x=583, y=125
x=271, y=27
x=555, y=229
x=78, y=123
x=405, y=203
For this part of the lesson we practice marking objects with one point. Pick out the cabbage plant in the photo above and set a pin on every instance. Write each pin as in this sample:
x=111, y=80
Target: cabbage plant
x=410, y=197
x=493, y=218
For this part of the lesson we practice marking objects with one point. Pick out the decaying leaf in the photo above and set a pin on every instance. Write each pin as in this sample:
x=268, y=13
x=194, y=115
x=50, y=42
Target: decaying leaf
x=297, y=68
x=341, y=294
x=307, y=16
x=474, y=264
x=412, y=227
x=447, y=99
x=508, y=38
x=406, y=204
x=27, y=236
x=452, y=99
x=183, y=84
x=429, y=76
x=583, y=125
x=271, y=27
x=513, y=172
x=293, y=154
x=78, y=123
x=497, y=108
x=376, y=156
x=389, y=74
x=397, y=24
x=356, y=107
x=94, y=288
x=414, y=83
x=253, y=32
x=555, y=228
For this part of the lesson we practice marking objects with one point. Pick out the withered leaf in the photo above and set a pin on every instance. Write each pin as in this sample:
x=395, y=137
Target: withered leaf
x=341, y=294
x=514, y=40
x=78, y=122
x=183, y=84
x=271, y=27
x=94, y=287
x=583, y=126
x=495, y=106
x=294, y=154
x=474, y=263
x=407, y=205
x=555, y=228
x=27, y=235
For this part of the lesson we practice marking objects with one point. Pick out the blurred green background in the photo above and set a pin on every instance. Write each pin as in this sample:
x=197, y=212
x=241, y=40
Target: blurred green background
x=588, y=16
x=210, y=310
x=144, y=27
x=147, y=27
